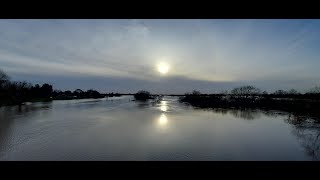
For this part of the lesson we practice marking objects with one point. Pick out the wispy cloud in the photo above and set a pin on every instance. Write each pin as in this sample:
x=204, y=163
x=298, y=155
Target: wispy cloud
x=203, y=50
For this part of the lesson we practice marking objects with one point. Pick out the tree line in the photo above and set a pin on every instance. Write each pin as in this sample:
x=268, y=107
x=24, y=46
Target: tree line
x=18, y=92
x=251, y=90
x=252, y=97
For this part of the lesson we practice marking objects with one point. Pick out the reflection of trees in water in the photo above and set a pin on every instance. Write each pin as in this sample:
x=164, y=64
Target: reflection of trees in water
x=296, y=119
x=9, y=113
x=220, y=111
x=307, y=131
x=245, y=114
x=238, y=113
x=5, y=125
x=309, y=139
x=143, y=104
x=147, y=103
x=273, y=114
x=155, y=103
x=27, y=109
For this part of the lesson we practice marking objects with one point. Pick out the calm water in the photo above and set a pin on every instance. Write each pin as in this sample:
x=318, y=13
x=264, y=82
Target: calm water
x=121, y=129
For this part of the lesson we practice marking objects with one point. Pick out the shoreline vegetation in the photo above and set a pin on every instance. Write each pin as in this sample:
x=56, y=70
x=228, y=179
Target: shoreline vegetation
x=244, y=97
x=21, y=92
x=249, y=97
x=143, y=96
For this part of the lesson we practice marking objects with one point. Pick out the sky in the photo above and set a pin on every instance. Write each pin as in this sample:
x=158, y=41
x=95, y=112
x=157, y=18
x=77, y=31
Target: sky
x=122, y=55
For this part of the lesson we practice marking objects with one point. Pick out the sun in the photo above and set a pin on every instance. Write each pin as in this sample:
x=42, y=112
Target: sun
x=163, y=68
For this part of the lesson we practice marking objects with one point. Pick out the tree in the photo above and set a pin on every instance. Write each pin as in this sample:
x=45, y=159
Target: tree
x=35, y=91
x=196, y=93
x=142, y=95
x=78, y=93
x=4, y=78
x=68, y=93
x=293, y=92
x=19, y=91
x=280, y=92
x=314, y=90
x=56, y=93
x=46, y=90
x=225, y=92
x=246, y=91
x=93, y=93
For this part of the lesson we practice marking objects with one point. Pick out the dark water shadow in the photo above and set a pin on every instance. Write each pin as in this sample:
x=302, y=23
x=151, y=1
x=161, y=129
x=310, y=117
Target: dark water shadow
x=305, y=128
x=9, y=114
x=245, y=114
x=143, y=104
x=307, y=131
x=309, y=140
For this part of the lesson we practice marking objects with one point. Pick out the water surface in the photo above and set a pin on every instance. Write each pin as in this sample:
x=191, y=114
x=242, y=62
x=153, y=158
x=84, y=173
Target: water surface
x=121, y=129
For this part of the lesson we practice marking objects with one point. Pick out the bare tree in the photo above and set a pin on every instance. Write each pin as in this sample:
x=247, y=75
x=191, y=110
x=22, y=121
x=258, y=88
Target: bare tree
x=309, y=139
x=246, y=91
x=280, y=92
x=142, y=95
x=314, y=90
x=4, y=78
x=225, y=92
x=293, y=91
x=245, y=114
x=195, y=92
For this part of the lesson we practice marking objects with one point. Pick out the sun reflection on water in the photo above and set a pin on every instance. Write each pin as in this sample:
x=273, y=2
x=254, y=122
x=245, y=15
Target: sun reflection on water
x=163, y=120
x=163, y=106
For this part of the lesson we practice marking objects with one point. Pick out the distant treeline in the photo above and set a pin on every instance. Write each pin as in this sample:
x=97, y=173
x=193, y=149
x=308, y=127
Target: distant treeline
x=143, y=95
x=16, y=92
x=252, y=97
x=251, y=90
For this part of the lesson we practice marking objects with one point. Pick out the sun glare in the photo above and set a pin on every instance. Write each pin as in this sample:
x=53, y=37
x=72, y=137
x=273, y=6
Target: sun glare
x=163, y=120
x=163, y=106
x=163, y=68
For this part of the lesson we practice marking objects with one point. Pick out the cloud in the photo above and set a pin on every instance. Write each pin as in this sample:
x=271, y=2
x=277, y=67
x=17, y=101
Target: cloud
x=59, y=54
x=196, y=50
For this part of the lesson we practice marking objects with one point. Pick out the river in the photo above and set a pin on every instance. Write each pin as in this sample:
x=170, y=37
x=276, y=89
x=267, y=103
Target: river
x=120, y=129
